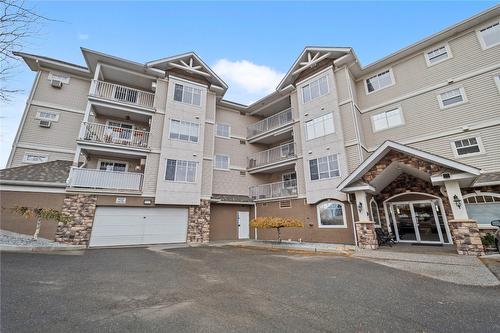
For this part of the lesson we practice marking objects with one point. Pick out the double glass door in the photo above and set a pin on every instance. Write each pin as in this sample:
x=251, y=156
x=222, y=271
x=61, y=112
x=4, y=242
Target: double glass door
x=418, y=222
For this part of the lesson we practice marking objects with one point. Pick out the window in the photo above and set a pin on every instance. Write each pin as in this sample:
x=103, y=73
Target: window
x=379, y=81
x=35, y=158
x=483, y=207
x=497, y=81
x=113, y=166
x=467, y=146
x=489, y=36
x=387, y=119
x=331, y=214
x=221, y=162
x=46, y=115
x=184, y=130
x=320, y=126
x=289, y=176
x=181, y=171
x=437, y=55
x=186, y=94
x=452, y=98
x=222, y=130
x=374, y=212
x=324, y=167
x=315, y=89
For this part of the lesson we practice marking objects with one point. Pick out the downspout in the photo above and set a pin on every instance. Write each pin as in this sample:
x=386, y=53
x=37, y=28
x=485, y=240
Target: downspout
x=353, y=223
x=255, y=216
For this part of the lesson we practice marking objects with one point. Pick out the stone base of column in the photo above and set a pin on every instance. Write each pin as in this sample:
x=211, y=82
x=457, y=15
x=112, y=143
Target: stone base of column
x=367, y=239
x=466, y=237
x=81, y=208
x=198, y=231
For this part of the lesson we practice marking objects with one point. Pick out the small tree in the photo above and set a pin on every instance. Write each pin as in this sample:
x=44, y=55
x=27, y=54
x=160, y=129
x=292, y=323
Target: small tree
x=268, y=222
x=41, y=214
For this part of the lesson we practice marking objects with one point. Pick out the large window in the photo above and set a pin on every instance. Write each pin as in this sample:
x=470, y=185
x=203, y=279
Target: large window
x=331, y=214
x=113, y=166
x=379, y=81
x=184, y=130
x=222, y=130
x=489, y=36
x=437, y=55
x=387, y=119
x=315, y=89
x=324, y=167
x=320, y=126
x=374, y=212
x=452, y=98
x=483, y=207
x=181, y=171
x=221, y=162
x=468, y=146
x=187, y=94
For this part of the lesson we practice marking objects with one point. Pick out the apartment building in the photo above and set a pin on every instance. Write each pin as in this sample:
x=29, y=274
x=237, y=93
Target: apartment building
x=142, y=153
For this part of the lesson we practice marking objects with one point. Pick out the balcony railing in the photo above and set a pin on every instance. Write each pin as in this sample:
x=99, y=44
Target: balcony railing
x=268, y=124
x=282, y=189
x=101, y=133
x=273, y=155
x=101, y=179
x=122, y=94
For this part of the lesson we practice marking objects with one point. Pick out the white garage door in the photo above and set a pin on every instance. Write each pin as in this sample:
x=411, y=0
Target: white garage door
x=135, y=226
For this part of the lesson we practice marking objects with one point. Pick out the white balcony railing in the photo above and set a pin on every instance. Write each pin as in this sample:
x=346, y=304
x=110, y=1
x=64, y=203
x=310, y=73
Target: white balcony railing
x=101, y=179
x=282, y=189
x=122, y=94
x=101, y=133
x=273, y=155
x=268, y=124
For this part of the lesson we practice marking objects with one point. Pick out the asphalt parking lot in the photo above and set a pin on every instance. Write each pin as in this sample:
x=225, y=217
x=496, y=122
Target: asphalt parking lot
x=209, y=289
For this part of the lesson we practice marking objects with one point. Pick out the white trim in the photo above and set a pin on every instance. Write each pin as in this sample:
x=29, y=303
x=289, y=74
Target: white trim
x=374, y=130
x=372, y=200
x=99, y=161
x=177, y=78
x=179, y=139
x=462, y=94
x=366, y=78
x=45, y=148
x=344, y=218
x=497, y=81
x=480, y=36
x=55, y=120
x=28, y=188
x=25, y=157
x=479, y=144
x=448, y=52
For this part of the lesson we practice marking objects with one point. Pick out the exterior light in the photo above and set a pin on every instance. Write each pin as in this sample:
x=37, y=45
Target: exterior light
x=457, y=201
x=360, y=207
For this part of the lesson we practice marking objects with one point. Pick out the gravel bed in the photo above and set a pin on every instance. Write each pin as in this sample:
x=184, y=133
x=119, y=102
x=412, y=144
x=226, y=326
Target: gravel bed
x=8, y=238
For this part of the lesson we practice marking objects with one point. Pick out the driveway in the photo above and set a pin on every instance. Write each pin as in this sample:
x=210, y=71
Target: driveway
x=230, y=290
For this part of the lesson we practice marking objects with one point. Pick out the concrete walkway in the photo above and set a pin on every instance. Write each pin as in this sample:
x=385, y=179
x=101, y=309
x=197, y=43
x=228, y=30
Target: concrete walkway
x=290, y=246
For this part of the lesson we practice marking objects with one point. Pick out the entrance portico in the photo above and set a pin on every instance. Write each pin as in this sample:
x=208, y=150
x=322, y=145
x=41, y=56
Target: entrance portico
x=418, y=197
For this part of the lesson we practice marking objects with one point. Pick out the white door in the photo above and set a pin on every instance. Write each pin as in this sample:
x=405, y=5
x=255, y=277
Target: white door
x=136, y=226
x=242, y=218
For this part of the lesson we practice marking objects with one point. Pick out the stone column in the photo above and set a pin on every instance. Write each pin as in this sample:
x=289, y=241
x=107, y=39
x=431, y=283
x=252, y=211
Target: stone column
x=81, y=208
x=198, y=231
x=367, y=239
x=466, y=237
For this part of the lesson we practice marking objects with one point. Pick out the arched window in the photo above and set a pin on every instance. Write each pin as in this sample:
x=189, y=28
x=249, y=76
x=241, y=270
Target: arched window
x=374, y=212
x=483, y=207
x=331, y=214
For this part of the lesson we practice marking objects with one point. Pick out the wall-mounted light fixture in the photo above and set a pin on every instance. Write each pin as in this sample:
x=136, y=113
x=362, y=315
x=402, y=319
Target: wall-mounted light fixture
x=360, y=207
x=457, y=201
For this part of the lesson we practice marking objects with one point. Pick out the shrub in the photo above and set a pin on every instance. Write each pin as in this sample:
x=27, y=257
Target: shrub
x=270, y=222
x=488, y=239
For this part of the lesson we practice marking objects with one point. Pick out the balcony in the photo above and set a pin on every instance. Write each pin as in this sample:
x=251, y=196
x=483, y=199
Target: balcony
x=282, y=189
x=272, y=157
x=101, y=179
x=100, y=133
x=122, y=94
x=270, y=124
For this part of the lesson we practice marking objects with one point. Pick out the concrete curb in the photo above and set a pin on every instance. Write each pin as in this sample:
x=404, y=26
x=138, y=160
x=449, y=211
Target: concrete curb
x=28, y=249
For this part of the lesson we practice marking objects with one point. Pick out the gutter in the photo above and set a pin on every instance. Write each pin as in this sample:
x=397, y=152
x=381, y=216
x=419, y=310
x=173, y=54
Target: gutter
x=31, y=183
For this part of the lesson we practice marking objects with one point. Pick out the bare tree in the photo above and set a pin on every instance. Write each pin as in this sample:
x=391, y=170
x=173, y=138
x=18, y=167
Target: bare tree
x=18, y=23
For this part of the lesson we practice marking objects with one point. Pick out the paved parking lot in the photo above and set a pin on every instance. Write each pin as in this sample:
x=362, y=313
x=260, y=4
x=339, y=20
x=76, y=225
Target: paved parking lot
x=230, y=290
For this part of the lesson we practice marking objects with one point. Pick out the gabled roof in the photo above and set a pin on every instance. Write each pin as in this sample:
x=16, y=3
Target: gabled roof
x=387, y=146
x=53, y=173
x=35, y=62
x=191, y=63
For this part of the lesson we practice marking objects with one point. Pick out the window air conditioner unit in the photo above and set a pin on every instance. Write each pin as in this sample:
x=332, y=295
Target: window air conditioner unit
x=45, y=123
x=56, y=83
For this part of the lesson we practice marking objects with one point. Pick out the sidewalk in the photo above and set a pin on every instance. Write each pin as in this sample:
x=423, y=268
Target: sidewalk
x=290, y=246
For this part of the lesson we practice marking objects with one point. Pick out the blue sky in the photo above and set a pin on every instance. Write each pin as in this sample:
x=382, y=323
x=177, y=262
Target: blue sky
x=249, y=44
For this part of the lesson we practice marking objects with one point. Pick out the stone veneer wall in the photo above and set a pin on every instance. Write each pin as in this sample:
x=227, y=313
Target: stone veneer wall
x=81, y=207
x=198, y=230
x=367, y=239
x=466, y=237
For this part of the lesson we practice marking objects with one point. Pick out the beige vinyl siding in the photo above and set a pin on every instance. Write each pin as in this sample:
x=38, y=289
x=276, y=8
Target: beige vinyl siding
x=72, y=95
x=17, y=159
x=161, y=93
x=412, y=73
x=490, y=137
x=231, y=182
x=156, y=131
x=208, y=148
x=207, y=180
x=342, y=87
x=150, y=174
x=61, y=134
x=346, y=117
x=422, y=114
x=352, y=156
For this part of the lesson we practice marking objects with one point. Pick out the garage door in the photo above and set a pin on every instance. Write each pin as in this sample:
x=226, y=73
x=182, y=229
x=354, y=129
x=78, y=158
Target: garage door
x=135, y=226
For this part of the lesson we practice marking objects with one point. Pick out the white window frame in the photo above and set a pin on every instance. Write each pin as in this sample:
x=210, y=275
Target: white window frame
x=180, y=123
x=308, y=85
x=228, y=162
x=44, y=156
x=329, y=177
x=228, y=131
x=388, y=127
x=344, y=217
x=391, y=74
x=323, y=123
x=175, y=172
x=479, y=144
x=40, y=117
x=440, y=100
x=448, y=52
x=184, y=85
x=99, y=161
x=480, y=36
x=497, y=81
x=372, y=200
